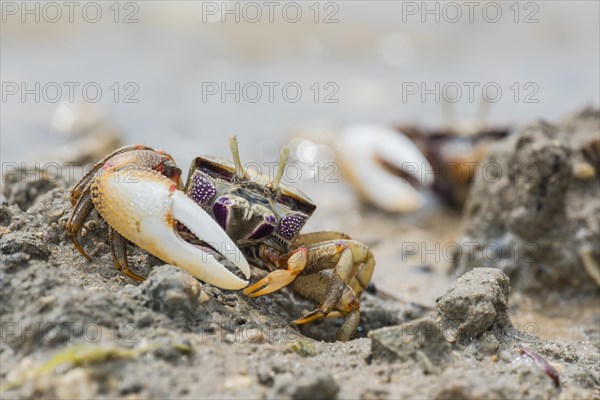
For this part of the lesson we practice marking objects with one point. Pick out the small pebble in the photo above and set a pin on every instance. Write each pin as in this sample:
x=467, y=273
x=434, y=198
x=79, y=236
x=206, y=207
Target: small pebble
x=254, y=336
x=237, y=382
x=305, y=385
x=229, y=338
x=90, y=225
x=53, y=216
x=204, y=297
x=76, y=384
x=265, y=375
x=584, y=171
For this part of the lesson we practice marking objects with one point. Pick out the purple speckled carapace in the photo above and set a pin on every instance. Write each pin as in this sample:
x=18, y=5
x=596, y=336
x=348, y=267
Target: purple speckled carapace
x=291, y=225
x=202, y=190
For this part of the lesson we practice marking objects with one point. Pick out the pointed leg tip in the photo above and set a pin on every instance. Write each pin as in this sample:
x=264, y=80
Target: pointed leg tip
x=80, y=248
x=311, y=316
x=133, y=276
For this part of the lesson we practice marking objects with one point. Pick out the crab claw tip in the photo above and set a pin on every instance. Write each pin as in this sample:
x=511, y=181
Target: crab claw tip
x=205, y=228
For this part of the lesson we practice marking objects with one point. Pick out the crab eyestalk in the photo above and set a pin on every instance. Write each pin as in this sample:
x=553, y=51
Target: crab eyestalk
x=283, y=157
x=240, y=173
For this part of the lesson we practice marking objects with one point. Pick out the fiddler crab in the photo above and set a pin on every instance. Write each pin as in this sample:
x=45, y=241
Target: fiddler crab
x=221, y=222
x=392, y=166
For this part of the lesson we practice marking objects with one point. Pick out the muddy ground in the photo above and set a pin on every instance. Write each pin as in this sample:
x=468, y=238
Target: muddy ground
x=78, y=329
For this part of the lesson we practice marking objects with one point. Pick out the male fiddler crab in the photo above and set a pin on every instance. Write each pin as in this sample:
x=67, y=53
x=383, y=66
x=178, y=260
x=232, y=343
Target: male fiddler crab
x=390, y=166
x=218, y=222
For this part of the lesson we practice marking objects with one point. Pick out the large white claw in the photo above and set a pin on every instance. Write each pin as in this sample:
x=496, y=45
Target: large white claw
x=358, y=149
x=143, y=205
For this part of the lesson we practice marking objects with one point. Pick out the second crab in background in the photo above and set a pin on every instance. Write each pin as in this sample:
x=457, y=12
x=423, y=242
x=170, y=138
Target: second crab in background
x=391, y=166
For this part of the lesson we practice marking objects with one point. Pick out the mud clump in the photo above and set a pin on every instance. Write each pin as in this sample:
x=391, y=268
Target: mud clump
x=305, y=385
x=173, y=292
x=478, y=302
x=534, y=212
x=419, y=341
x=525, y=382
x=28, y=246
x=22, y=186
x=470, y=312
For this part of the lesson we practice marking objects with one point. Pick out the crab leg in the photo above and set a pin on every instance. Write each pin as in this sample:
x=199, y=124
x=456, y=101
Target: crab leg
x=341, y=275
x=352, y=264
x=305, y=239
x=144, y=206
x=316, y=287
x=362, y=278
x=296, y=263
x=83, y=207
x=280, y=277
x=337, y=292
x=118, y=247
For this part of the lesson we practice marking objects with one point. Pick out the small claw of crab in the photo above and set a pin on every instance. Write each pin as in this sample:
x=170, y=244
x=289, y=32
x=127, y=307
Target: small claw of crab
x=270, y=283
x=143, y=206
x=280, y=277
x=358, y=149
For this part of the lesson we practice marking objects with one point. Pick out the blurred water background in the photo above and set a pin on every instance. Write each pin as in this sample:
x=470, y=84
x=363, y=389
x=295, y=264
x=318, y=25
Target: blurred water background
x=368, y=50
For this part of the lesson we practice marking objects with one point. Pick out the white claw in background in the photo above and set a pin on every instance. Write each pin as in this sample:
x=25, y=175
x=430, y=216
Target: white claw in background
x=360, y=146
x=143, y=208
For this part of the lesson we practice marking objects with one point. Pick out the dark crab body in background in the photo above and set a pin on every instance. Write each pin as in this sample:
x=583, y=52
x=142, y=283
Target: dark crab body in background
x=454, y=157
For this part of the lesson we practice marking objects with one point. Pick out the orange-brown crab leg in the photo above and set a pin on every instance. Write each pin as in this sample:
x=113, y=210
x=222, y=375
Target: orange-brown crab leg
x=354, y=264
x=295, y=264
x=316, y=287
x=280, y=277
x=362, y=278
x=352, y=259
